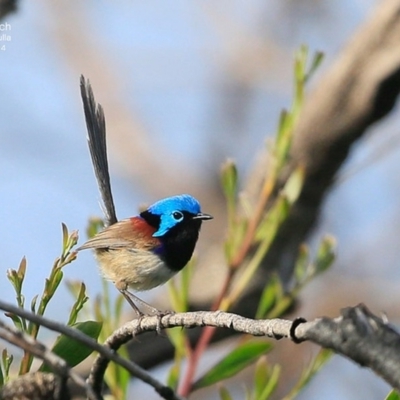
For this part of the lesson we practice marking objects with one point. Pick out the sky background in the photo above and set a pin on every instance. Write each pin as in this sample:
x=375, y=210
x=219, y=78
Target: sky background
x=184, y=85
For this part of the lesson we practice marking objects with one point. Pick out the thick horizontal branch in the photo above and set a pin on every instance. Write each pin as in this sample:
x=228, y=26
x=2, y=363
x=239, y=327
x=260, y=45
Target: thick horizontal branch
x=357, y=334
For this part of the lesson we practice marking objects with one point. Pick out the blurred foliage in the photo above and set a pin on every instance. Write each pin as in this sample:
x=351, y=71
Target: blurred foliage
x=393, y=395
x=65, y=347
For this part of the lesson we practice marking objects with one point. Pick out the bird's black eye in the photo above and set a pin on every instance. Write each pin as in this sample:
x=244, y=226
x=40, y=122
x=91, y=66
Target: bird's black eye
x=178, y=216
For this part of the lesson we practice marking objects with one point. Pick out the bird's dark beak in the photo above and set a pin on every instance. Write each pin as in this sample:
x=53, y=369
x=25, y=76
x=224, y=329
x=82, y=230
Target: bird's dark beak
x=203, y=216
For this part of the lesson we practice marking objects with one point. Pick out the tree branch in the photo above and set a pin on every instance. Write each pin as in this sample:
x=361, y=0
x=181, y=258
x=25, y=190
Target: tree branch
x=357, y=334
x=361, y=336
x=7, y=7
x=359, y=89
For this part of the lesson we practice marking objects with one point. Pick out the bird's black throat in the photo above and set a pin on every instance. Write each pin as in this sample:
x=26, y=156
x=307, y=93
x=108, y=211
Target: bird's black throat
x=179, y=242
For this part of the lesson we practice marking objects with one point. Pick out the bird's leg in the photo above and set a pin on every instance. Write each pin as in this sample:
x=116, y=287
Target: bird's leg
x=152, y=310
x=131, y=299
x=128, y=296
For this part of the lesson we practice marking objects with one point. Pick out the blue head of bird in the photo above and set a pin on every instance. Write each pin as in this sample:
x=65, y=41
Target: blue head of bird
x=177, y=221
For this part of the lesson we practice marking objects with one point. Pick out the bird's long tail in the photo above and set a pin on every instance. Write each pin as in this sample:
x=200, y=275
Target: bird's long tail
x=96, y=127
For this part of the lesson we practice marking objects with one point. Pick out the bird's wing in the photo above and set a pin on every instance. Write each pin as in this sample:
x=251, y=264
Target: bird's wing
x=134, y=233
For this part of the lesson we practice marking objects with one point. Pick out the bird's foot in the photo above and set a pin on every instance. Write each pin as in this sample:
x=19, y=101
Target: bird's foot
x=160, y=315
x=132, y=300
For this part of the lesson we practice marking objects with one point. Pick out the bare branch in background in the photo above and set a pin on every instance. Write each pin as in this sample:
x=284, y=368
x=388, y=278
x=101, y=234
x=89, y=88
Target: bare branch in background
x=7, y=7
x=359, y=89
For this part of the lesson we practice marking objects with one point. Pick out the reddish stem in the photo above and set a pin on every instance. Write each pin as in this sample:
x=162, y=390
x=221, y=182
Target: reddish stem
x=208, y=331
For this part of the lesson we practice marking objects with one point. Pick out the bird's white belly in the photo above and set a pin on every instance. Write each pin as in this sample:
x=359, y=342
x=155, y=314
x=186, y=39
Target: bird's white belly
x=140, y=270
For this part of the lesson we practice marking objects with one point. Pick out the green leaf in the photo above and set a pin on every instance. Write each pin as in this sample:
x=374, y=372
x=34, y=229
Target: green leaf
x=173, y=377
x=302, y=263
x=294, y=185
x=17, y=279
x=315, y=63
x=234, y=362
x=185, y=278
x=33, y=304
x=393, y=395
x=266, y=379
x=273, y=219
x=64, y=237
x=94, y=226
x=309, y=372
x=325, y=255
x=72, y=351
x=1, y=377
x=269, y=297
x=79, y=303
x=18, y=322
x=229, y=177
x=6, y=360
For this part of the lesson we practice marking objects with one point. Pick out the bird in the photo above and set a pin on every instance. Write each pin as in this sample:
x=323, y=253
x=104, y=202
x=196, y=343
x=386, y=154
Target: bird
x=146, y=250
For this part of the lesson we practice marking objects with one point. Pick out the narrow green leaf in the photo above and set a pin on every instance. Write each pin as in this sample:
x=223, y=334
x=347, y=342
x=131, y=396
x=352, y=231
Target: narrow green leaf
x=94, y=226
x=315, y=63
x=177, y=337
x=268, y=297
x=393, y=395
x=22, y=269
x=18, y=322
x=173, y=377
x=234, y=362
x=1, y=376
x=272, y=382
x=260, y=376
x=16, y=278
x=81, y=299
x=64, y=237
x=302, y=263
x=119, y=303
x=294, y=185
x=72, y=351
x=326, y=254
x=273, y=219
x=309, y=372
x=7, y=360
x=229, y=177
x=282, y=125
x=72, y=240
x=185, y=278
x=264, y=236
x=33, y=304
